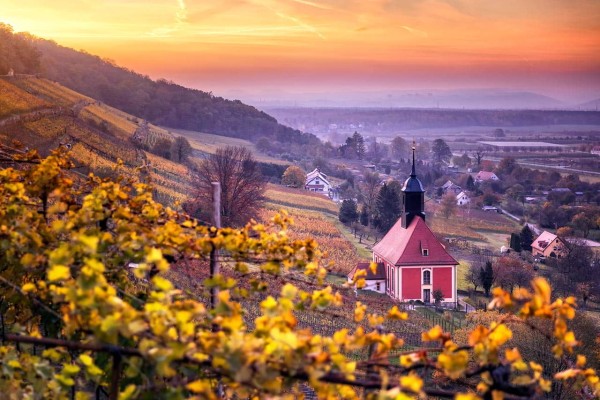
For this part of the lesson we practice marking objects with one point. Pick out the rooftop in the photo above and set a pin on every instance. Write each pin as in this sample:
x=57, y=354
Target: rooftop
x=405, y=246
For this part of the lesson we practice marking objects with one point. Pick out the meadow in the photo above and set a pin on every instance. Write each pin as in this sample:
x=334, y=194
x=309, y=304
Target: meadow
x=209, y=143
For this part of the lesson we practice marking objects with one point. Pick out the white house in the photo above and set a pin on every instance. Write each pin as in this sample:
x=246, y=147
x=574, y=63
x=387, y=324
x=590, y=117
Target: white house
x=596, y=150
x=316, y=181
x=484, y=176
x=373, y=281
x=462, y=198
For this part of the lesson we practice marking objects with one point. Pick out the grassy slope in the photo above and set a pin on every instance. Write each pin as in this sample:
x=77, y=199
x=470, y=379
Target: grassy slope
x=209, y=143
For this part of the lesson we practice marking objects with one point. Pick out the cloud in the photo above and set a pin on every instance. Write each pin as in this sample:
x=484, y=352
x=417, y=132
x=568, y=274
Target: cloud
x=181, y=14
x=312, y=4
x=414, y=31
x=298, y=22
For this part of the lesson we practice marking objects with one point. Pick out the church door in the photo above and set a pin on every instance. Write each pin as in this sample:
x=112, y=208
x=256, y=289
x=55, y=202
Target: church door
x=427, y=295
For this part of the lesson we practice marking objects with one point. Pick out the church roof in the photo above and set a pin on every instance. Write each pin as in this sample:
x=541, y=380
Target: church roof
x=378, y=275
x=405, y=247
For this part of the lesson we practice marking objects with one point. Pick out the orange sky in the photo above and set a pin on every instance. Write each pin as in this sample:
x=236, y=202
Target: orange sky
x=551, y=46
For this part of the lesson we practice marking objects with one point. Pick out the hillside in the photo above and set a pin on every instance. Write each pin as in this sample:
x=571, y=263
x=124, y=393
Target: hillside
x=39, y=114
x=160, y=102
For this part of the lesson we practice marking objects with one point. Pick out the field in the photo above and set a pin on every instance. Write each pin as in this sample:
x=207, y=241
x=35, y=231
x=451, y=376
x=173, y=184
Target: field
x=209, y=143
x=489, y=229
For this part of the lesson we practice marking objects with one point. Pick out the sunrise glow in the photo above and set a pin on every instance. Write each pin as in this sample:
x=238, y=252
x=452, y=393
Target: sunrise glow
x=549, y=46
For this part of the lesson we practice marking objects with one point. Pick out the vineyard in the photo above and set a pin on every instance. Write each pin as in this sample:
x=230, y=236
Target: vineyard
x=314, y=216
x=51, y=92
x=189, y=277
x=117, y=124
x=15, y=101
x=97, y=135
x=297, y=198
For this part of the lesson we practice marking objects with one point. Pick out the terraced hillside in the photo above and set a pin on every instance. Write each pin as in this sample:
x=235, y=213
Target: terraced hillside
x=40, y=114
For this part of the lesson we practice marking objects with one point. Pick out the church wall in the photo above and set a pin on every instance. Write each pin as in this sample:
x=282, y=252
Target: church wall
x=442, y=279
x=411, y=283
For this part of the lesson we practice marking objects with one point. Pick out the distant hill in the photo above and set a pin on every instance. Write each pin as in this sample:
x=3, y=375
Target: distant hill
x=593, y=105
x=472, y=99
x=393, y=120
x=160, y=102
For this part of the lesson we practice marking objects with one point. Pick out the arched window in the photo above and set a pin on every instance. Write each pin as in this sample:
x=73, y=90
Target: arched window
x=426, y=277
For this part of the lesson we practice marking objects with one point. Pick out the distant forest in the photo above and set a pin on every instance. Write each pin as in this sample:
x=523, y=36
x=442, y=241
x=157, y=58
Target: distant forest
x=160, y=102
x=391, y=120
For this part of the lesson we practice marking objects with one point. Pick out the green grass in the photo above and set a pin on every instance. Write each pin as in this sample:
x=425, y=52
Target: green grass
x=209, y=143
x=362, y=248
x=462, y=282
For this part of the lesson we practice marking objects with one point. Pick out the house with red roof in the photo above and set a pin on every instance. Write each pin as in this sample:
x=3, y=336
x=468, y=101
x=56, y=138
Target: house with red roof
x=415, y=263
x=547, y=244
x=484, y=176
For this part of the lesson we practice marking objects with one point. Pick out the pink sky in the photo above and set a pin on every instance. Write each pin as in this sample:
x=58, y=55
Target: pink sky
x=548, y=46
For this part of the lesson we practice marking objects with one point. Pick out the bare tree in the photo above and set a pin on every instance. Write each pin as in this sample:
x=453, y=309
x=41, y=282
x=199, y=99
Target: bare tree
x=448, y=205
x=370, y=189
x=242, y=186
x=181, y=149
x=474, y=275
x=478, y=155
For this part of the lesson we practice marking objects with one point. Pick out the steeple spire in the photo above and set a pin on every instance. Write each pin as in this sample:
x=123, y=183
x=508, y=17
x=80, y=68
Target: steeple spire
x=414, y=148
x=413, y=195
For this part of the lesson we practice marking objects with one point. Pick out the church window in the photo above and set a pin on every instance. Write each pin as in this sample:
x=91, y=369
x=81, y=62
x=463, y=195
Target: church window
x=427, y=277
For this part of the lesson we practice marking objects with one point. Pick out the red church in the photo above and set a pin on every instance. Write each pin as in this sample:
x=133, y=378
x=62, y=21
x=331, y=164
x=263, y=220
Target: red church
x=411, y=258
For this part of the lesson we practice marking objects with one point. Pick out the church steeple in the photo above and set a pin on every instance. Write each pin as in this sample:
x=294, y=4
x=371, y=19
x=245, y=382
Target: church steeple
x=413, y=195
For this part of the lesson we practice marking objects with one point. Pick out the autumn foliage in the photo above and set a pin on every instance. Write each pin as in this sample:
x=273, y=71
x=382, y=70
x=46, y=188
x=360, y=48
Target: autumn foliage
x=86, y=263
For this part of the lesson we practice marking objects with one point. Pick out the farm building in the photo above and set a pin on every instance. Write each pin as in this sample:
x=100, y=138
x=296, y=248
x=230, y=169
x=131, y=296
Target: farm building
x=524, y=146
x=548, y=245
x=316, y=181
x=415, y=263
x=462, y=199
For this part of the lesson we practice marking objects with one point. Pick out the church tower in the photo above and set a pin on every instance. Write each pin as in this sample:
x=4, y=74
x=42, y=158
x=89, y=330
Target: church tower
x=413, y=196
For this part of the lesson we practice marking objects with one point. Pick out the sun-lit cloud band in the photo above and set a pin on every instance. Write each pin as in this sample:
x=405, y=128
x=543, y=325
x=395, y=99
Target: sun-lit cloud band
x=551, y=45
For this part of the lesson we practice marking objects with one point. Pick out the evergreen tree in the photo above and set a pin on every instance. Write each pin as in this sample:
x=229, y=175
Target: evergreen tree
x=364, y=216
x=387, y=206
x=470, y=183
x=487, y=277
x=359, y=145
x=441, y=151
x=526, y=238
x=515, y=242
x=348, y=212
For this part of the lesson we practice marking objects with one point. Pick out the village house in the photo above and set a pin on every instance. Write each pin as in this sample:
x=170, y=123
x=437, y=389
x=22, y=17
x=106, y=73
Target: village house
x=548, y=245
x=462, y=199
x=316, y=181
x=451, y=187
x=414, y=262
x=595, y=150
x=374, y=281
x=485, y=176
